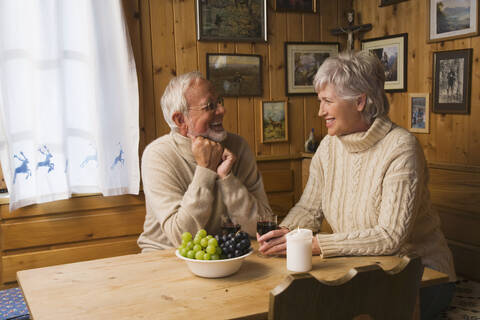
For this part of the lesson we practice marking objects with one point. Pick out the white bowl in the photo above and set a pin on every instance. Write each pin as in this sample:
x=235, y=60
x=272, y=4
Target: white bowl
x=214, y=268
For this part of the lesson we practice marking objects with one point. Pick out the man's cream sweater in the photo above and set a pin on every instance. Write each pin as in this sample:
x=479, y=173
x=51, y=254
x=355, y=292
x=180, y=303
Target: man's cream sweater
x=372, y=189
x=181, y=196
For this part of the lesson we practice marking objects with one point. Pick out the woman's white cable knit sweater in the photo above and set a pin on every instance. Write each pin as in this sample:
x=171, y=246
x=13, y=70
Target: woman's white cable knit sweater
x=372, y=189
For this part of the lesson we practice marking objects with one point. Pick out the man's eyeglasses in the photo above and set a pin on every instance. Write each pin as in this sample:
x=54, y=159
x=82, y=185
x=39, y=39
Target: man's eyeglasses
x=211, y=106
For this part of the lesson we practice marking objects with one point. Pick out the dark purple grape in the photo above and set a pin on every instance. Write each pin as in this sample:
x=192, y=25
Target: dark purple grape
x=230, y=256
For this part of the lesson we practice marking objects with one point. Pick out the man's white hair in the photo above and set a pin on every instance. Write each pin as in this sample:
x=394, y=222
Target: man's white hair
x=173, y=98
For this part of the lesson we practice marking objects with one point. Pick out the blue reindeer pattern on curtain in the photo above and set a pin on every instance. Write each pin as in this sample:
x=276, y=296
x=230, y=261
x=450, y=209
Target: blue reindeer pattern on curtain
x=46, y=163
x=119, y=158
x=23, y=168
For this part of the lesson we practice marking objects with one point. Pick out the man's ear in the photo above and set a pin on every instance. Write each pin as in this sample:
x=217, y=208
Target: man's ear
x=179, y=119
x=361, y=102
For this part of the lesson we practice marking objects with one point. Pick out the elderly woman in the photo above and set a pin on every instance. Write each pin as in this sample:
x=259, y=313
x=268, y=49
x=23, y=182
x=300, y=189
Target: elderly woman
x=368, y=179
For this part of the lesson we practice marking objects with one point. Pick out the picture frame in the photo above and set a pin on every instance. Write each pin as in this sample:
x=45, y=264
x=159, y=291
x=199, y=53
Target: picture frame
x=295, y=5
x=392, y=52
x=451, y=19
x=235, y=75
x=274, y=121
x=419, y=112
x=452, y=72
x=302, y=62
x=226, y=21
x=385, y=3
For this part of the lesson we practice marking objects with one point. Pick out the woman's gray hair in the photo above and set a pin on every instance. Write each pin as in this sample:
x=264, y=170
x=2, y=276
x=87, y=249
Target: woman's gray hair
x=173, y=99
x=354, y=74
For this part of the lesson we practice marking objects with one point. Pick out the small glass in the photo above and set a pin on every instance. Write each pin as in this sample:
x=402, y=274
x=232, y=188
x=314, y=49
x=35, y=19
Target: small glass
x=228, y=226
x=266, y=224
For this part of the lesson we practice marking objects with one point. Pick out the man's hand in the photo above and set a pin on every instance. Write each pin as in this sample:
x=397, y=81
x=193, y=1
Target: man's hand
x=207, y=153
x=228, y=159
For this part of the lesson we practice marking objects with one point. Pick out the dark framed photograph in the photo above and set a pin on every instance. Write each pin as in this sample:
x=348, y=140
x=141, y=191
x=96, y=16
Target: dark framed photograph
x=452, y=81
x=418, y=112
x=232, y=20
x=274, y=121
x=452, y=19
x=392, y=53
x=235, y=75
x=303, y=60
x=295, y=5
x=384, y=3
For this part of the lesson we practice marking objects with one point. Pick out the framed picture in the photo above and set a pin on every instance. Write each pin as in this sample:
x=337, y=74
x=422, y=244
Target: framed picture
x=238, y=20
x=452, y=81
x=295, y=5
x=235, y=75
x=384, y=3
x=451, y=19
x=274, y=121
x=303, y=60
x=392, y=53
x=418, y=112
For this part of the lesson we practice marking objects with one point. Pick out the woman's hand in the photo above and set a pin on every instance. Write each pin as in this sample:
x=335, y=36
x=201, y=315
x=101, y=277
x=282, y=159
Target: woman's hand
x=273, y=242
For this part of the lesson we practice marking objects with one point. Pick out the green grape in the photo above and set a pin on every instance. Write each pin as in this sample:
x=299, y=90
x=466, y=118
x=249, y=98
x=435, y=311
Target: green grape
x=213, y=242
x=201, y=233
x=191, y=254
x=196, y=240
x=218, y=251
x=183, y=245
x=186, y=236
x=211, y=249
x=199, y=255
x=197, y=248
x=214, y=257
x=183, y=252
x=209, y=237
x=189, y=245
x=207, y=256
x=204, y=242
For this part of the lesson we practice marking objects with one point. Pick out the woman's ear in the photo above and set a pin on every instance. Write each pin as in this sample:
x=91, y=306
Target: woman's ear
x=361, y=102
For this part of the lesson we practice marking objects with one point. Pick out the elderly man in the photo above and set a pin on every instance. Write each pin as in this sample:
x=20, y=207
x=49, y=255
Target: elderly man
x=198, y=174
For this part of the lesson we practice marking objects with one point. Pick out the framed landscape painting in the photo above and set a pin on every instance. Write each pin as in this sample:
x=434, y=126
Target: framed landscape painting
x=274, y=121
x=232, y=20
x=392, y=53
x=418, y=112
x=303, y=60
x=296, y=5
x=235, y=75
x=452, y=81
x=451, y=19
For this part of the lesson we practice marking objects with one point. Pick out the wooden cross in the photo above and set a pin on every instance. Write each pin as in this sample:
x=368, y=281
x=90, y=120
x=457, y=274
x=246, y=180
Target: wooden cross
x=351, y=29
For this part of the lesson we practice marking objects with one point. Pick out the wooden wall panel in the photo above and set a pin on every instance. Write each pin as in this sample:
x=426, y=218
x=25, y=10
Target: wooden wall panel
x=73, y=227
x=59, y=255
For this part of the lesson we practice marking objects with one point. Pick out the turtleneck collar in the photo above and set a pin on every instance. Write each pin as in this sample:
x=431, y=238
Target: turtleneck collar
x=361, y=141
x=183, y=145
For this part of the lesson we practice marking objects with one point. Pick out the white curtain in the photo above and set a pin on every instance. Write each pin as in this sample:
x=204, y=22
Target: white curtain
x=68, y=100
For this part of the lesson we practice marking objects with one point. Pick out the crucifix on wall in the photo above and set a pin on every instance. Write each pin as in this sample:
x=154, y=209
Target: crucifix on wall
x=351, y=29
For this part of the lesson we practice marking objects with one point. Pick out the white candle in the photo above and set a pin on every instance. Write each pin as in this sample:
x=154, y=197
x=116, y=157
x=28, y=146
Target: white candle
x=299, y=250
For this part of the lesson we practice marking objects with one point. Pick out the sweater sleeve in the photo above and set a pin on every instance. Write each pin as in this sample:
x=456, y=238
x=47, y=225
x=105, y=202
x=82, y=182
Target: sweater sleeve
x=178, y=207
x=307, y=213
x=399, y=205
x=243, y=193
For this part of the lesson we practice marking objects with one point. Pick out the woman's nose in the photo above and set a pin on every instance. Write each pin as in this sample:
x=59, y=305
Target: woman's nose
x=321, y=110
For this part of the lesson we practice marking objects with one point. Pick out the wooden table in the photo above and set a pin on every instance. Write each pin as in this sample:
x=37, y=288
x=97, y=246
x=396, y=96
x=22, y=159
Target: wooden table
x=159, y=285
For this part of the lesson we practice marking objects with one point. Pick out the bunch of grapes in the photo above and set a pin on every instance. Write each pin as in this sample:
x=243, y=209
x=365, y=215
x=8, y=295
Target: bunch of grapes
x=202, y=247
x=234, y=244
x=207, y=247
